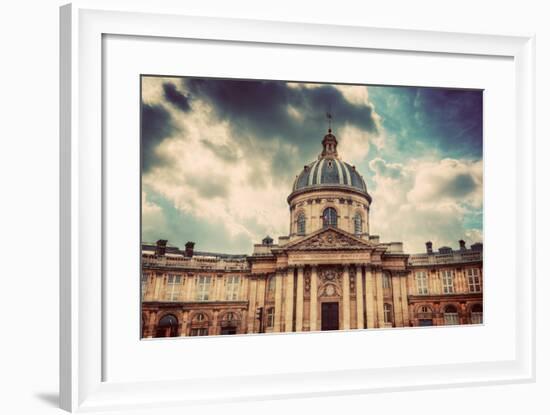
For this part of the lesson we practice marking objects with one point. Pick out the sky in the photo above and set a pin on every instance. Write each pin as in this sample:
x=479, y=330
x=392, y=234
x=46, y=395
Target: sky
x=219, y=158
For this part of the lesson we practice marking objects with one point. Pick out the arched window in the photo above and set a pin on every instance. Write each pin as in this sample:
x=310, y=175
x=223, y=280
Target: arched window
x=388, y=318
x=199, y=325
x=358, y=224
x=424, y=316
x=167, y=327
x=330, y=217
x=450, y=315
x=199, y=317
x=301, y=224
x=477, y=314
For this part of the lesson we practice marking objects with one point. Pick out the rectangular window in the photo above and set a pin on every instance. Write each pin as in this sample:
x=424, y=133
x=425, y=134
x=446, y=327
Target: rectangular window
x=232, y=287
x=386, y=281
x=270, y=317
x=474, y=281
x=451, y=319
x=477, y=318
x=421, y=283
x=388, y=313
x=203, y=287
x=203, y=331
x=448, y=283
x=144, y=284
x=173, y=288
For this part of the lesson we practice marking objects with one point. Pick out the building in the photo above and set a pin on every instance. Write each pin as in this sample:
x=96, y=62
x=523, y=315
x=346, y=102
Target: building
x=329, y=273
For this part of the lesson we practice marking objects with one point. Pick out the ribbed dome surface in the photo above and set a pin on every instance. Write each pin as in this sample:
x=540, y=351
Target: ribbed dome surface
x=329, y=171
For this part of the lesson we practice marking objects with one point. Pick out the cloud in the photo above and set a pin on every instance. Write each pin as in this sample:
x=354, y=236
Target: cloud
x=446, y=180
x=156, y=125
x=382, y=168
x=427, y=200
x=220, y=157
x=175, y=97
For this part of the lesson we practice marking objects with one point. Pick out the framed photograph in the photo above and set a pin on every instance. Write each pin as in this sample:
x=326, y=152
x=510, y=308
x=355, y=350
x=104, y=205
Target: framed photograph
x=266, y=210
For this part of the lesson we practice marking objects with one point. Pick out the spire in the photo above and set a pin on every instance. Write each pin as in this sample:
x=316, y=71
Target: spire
x=329, y=141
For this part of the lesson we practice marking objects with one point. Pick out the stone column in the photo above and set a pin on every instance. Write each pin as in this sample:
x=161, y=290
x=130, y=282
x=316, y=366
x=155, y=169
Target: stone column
x=300, y=299
x=253, y=284
x=359, y=297
x=289, y=299
x=346, y=302
x=397, y=308
x=405, y=302
x=379, y=298
x=278, y=301
x=185, y=323
x=369, y=291
x=313, y=301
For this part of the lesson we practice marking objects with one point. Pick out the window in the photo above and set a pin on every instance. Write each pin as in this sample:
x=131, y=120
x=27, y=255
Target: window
x=270, y=317
x=474, y=281
x=477, y=314
x=201, y=331
x=421, y=283
x=330, y=218
x=271, y=285
x=358, y=224
x=448, y=285
x=450, y=315
x=167, y=327
x=232, y=287
x=388, y=313
x=386, y=280
x=229, y=317
x=301, y=224
x=203, y=286
x=173, y=288
x=199, y=317
x=425, y=309
x=144, y=281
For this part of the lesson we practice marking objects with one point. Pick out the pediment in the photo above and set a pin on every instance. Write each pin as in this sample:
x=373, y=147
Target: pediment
x=329, y=239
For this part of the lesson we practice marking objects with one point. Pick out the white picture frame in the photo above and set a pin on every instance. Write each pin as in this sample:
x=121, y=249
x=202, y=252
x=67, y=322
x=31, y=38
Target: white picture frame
x=84, y=25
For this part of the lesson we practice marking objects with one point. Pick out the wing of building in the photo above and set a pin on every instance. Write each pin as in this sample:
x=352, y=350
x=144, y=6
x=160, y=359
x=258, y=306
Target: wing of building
x=329, y=273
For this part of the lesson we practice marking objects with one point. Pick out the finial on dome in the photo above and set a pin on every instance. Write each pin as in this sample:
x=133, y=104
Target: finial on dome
x=329, y=118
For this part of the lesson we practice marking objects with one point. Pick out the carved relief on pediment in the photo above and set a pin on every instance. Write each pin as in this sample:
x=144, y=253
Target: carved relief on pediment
x=330, y=240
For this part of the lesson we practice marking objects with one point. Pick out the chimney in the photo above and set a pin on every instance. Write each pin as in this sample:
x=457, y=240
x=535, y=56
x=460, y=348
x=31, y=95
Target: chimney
x=161, y=247
x=462, y=245
x=189, y=247
x=429, y=249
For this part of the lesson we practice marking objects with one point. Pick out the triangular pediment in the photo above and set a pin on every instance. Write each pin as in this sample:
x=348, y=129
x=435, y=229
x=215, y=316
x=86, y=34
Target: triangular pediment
x=329, y=239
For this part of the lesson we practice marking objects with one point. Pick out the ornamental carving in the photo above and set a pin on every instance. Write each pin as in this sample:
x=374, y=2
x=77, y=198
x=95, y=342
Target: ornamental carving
x=333, y=275
x=330, y=239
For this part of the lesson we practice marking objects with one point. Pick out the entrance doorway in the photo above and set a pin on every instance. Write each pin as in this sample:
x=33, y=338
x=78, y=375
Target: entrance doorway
x=228, y=330
x=329, y=316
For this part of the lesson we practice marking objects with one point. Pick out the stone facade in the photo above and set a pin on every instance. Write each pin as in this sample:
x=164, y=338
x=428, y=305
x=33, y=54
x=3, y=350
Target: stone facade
x=329, y=273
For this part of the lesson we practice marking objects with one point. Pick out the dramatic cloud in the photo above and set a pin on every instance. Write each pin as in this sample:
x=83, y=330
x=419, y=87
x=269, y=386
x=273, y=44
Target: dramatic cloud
x=220, y=156
x=156, y=125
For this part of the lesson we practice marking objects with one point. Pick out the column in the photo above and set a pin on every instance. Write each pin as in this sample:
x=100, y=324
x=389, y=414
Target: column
x=379, y=298
x=396, y=291
x=184, y=323
x=313, y=301
x=300, y=299
x=253, y=283
x=346, y=302
x=405, y=302
x=359, y=297
x=289, y=298
x=278, y=301
x=369, y=291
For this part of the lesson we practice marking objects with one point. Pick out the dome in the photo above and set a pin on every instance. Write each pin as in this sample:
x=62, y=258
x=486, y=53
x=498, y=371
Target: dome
x=328, y=170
